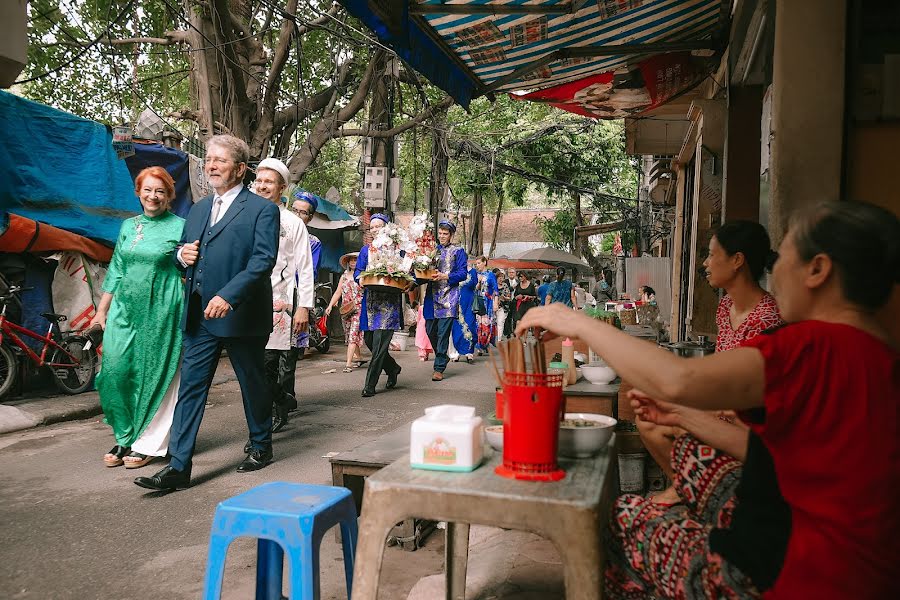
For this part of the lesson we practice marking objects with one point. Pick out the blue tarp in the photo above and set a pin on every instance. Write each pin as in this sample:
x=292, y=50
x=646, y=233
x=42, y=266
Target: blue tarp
x=62, y=170
x=174, y=161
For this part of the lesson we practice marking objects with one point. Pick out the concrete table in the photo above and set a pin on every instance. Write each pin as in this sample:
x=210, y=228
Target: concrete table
x=571, y=513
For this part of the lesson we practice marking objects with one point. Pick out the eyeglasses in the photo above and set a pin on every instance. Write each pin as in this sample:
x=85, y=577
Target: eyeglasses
x=216, y=160
x=300, y=211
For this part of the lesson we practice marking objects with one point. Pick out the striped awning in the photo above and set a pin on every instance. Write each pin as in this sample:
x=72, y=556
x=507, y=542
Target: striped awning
x=471, y=48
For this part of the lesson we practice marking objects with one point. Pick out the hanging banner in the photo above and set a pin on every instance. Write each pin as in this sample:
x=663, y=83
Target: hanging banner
x=619, y=94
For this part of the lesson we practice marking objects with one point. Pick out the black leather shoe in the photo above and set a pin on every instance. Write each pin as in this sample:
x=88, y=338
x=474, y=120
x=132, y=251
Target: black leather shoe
x=392, y=379
x=248, y=447
x=280, y=419
x=368, y=393
x=256, y=460
x=166, y=480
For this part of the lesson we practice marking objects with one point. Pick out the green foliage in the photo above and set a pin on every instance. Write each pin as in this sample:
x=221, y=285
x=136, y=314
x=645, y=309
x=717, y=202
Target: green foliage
x=334, y=167
x=110, y=84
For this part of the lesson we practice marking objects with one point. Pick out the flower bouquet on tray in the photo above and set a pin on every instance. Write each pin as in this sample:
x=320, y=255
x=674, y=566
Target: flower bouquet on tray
x=425, y=254
x=390, y=265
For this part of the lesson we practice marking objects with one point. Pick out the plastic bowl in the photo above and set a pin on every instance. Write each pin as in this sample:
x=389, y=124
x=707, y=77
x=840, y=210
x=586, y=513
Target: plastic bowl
x=584, y=441
x=494, y=435
x=598, y=373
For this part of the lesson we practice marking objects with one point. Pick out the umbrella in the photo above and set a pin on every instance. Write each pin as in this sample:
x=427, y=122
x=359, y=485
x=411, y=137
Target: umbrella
x=558, y=258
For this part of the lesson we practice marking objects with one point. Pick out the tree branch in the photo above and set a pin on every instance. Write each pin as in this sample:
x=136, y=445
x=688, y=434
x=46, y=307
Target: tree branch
x=172, y=37
x=444, y=104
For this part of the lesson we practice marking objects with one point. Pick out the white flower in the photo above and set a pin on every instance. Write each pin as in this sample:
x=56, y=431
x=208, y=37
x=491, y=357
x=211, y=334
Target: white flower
x=407, y=264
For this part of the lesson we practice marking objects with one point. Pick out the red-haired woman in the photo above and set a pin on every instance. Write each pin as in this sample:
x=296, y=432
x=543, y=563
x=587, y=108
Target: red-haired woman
x=140, y=312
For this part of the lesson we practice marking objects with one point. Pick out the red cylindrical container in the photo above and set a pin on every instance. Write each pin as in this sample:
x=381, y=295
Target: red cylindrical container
x=531, y=415
x=499, y=404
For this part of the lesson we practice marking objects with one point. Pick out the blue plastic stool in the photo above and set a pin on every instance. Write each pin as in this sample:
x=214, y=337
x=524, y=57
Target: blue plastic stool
x=286, y=517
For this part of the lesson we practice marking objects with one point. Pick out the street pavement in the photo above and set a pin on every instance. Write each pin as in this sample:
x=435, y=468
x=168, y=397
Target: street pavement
x=72, y=528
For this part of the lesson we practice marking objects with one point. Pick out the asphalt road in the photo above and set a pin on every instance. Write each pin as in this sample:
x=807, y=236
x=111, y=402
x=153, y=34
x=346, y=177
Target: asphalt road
x=72, y=528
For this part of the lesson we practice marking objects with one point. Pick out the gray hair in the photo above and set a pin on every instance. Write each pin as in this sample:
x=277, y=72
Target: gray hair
x=862, y=240
x=236, y=147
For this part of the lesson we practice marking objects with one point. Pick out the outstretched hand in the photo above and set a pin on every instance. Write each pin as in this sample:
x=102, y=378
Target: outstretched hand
x=556, y=320
x=654, y=411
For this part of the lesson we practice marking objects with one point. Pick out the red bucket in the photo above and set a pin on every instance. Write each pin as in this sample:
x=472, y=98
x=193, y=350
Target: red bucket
x=531, y=415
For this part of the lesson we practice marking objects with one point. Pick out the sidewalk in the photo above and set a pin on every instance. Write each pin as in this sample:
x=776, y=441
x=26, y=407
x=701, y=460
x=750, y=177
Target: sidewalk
x=45, y=407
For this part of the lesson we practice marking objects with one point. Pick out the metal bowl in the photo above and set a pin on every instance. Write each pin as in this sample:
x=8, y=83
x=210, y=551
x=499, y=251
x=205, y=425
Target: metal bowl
x=584, y=442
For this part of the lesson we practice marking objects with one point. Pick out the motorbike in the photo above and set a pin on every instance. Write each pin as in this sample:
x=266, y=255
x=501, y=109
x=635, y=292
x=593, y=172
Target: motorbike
x=318, y=321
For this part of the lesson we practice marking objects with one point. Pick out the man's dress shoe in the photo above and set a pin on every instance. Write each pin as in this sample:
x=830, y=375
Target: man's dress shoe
x=256, y=460
x=280, y=418
x=368, y=393
x=167, y=479
x=392, y=379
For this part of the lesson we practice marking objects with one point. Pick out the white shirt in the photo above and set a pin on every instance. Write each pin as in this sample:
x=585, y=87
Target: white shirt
x=227, y=200
x=293, y=263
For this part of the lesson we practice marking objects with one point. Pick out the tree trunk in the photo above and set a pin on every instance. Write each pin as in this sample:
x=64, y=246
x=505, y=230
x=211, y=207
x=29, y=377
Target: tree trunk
x=476, y=245
x=582, y=245
x=439, y=162
x=496, y=226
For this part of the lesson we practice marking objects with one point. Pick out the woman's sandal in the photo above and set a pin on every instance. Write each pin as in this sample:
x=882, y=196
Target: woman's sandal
x=142, y=459
x=113, y=458
x=348, y=369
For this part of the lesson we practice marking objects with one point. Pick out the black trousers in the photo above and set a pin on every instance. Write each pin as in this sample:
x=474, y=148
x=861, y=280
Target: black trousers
x=280, y=378
x=379, y=342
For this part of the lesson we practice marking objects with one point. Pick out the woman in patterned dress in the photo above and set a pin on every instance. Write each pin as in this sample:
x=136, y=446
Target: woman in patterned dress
x=486, y=287
x=349, y=293
x=739, y=253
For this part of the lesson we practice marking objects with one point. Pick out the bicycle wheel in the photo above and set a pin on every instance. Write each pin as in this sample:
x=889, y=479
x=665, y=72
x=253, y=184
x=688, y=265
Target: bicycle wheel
x=74, y=378
x=8, y=369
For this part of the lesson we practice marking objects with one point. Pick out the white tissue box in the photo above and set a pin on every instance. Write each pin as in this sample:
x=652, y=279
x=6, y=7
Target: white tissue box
x=447, y=438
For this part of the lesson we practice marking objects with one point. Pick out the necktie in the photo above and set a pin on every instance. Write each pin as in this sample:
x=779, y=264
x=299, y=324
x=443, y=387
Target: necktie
x=217, y=208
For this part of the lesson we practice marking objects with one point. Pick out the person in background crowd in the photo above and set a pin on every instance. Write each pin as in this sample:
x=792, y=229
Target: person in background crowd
x=228, y=248
x=349, y=293
x=739, y=254
x=139, y=312
x=506, y=287
x=304, y=205
x=465, y=328
x=560, y=290
x=606, y=290
x=485, y=315
x=381, y=314
x=816, y=510
x=581, y=295
x=423, y=344
x=441, y=307
x=526, y=295
x=292, y=289
x=542, y=290
x=647, y=294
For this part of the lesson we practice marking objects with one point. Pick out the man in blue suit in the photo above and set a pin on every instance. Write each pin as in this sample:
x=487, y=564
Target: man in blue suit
x=227, y=251
x=441, y=307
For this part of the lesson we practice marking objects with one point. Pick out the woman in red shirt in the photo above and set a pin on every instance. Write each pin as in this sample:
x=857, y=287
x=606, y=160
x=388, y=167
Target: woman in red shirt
x=739, y=253
x=817, y=512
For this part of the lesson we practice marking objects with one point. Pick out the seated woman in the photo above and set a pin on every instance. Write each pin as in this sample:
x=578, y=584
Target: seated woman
x=816, y=513
x=739, y=253
x=648, y=294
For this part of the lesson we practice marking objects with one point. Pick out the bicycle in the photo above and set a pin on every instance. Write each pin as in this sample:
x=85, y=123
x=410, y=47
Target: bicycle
x=72, y=362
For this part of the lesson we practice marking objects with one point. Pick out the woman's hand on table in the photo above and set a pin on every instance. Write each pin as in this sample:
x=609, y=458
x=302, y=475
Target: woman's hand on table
x=555, y=320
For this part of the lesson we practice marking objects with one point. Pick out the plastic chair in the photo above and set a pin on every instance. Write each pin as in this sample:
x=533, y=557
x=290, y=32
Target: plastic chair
x=285, y=517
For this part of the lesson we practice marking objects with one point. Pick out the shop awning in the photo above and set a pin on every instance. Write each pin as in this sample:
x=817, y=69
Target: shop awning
x=471, y=48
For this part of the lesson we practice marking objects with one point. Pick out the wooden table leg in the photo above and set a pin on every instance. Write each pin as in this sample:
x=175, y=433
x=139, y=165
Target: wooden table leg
x=456, y=557
x=381, y=515
x=579, y=544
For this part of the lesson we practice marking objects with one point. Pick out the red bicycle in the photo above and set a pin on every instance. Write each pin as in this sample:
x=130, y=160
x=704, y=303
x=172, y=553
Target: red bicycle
x=72, y=362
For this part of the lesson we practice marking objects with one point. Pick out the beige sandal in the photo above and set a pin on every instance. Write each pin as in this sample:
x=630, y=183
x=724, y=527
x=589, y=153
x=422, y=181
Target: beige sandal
x=142, y=459
x=113, y=458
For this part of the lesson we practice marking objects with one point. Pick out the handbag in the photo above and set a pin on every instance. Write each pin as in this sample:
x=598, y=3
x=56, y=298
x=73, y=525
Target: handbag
x=348, y=308
x=478, y=305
